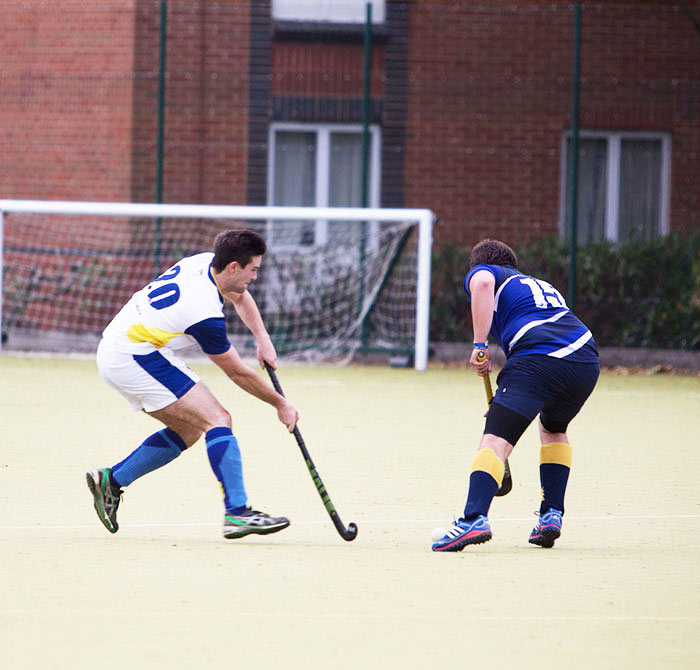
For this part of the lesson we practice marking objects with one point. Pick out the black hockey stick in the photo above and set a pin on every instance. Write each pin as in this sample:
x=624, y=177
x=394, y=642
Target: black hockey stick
x=349, y=533
x=507, y=483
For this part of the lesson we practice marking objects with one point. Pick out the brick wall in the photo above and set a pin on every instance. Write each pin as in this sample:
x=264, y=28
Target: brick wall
x=472, y=97
x=641, y=69
x=488, y=106
x=79, y=109
x=65, y=110
x=323, y=69
x=206, y=102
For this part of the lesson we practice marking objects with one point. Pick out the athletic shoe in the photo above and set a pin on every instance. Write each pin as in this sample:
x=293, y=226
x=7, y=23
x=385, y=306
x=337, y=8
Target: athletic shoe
x=106, y=496
x=464, y=532
x=548, y=528
x=250, y=521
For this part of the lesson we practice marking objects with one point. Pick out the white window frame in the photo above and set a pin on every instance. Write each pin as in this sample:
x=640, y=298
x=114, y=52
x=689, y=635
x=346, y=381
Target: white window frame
x=331, y=11
x=612, y=192
x=323, y=132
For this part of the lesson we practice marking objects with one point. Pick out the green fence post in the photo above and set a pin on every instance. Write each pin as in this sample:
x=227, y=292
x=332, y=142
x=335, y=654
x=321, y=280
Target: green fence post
x=573, y=204
x=365, y=161
x=159, y=147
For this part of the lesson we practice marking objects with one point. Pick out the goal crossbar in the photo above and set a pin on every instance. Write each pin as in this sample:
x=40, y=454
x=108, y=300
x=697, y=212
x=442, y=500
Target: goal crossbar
x=424, y=218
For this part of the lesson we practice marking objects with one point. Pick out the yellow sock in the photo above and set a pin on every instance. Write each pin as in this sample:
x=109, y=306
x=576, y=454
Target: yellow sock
x=486, y=461
x=558, y=453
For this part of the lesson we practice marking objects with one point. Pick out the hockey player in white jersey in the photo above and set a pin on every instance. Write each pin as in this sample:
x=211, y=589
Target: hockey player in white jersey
x=137, y=357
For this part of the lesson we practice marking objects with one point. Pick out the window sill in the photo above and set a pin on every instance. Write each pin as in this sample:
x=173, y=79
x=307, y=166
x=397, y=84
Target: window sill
x=326, y=31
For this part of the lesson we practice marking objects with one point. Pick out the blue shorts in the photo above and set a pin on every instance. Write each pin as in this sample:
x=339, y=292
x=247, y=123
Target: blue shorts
x=554, y=388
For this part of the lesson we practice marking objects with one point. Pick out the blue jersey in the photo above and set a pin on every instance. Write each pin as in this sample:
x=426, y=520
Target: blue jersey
x=531, y=317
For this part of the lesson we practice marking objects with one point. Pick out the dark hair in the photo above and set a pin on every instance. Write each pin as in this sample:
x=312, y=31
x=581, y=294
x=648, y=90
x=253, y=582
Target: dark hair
x=236, y=245
x=492, y=252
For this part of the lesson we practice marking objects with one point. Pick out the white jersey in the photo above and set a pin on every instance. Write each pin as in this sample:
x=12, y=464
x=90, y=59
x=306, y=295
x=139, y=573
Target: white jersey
x=180, y=308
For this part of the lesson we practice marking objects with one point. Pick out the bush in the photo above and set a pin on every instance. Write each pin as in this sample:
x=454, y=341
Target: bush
x=450, y=320
x=641, y=294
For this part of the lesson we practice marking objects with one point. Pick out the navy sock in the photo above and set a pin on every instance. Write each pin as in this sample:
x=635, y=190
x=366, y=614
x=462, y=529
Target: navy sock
x=225, y=459
x=154, y=452
x=482, y=488
x=485, y=478
x=554, y=478
x=555, y=466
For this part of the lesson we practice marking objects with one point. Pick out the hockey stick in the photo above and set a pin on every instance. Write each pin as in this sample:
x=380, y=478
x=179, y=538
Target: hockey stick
x=349, y=533
x=507, y=483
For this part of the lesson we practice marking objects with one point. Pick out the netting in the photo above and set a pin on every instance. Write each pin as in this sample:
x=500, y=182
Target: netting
x=64, y=278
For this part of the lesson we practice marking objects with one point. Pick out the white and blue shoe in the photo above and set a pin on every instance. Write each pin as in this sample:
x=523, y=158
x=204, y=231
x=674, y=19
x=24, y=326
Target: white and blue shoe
x=464, y=532
x=548, y=528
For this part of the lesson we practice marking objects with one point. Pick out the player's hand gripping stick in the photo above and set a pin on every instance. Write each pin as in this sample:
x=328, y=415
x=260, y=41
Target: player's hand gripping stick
x=349, y=533
x=507, y=483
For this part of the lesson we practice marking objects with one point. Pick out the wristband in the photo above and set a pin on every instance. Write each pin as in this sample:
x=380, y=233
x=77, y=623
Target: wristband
x=481, y=345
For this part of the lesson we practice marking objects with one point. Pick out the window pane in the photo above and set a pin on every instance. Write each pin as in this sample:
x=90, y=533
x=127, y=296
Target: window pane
x=294, y=185
x=345, y=181
x=337, y=11
x=640, y=179
x=345, y=170
x=592, y=176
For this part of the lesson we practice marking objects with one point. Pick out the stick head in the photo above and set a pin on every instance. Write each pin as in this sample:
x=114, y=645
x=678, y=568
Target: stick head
x=351, y=533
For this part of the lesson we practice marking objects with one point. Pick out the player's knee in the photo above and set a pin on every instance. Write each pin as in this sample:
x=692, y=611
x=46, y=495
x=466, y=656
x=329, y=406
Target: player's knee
x=498, y=445
x=183, y=434
x=220, y=418
x=505, y=423
x=191, y=437
x=552, y=427
x=228, y=420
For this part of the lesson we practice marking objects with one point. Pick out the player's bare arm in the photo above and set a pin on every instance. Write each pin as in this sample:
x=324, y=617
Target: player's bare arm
x=248, y=312
x=250, y=381
x=481, y=287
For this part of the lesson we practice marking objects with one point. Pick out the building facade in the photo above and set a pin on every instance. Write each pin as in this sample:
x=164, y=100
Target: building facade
x=469, y=110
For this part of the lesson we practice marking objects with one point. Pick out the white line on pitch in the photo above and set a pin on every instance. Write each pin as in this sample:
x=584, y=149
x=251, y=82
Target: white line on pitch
x=362, y=616
x=197, y=524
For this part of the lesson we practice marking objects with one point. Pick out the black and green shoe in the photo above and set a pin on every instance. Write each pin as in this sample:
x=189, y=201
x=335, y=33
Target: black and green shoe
x=250, y=521
x=106, y=497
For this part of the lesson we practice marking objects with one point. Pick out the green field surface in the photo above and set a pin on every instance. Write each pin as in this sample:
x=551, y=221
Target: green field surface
x=621, y=588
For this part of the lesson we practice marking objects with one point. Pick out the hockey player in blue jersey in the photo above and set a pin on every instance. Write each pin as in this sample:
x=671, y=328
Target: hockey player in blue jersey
x=551, y=369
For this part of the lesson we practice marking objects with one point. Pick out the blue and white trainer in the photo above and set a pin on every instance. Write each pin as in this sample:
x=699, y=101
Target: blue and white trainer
x=548, y=528
x=464, y=532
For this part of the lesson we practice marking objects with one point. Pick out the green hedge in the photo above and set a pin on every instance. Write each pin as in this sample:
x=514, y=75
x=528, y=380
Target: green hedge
x=641, y=294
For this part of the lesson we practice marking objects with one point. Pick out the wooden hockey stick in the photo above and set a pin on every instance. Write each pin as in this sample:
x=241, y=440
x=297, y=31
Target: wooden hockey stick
x=507, y=483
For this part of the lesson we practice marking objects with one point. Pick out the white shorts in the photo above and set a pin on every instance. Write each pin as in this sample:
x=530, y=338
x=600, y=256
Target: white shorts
x=149, y=382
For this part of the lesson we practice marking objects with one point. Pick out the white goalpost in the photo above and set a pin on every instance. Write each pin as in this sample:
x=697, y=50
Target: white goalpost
x=335, y=282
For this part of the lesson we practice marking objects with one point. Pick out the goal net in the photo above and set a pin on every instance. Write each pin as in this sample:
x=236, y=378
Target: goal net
x=335, y=282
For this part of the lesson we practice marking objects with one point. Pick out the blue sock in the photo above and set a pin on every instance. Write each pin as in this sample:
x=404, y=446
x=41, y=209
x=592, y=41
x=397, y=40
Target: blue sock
x=225, y=460
x=155, y=451
x=485, y=478
x=555, y=465
x=554, y=478
x=482, y=488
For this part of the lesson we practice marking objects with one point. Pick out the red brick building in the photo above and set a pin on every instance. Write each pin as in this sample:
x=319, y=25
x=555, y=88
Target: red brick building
x=470, y=107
